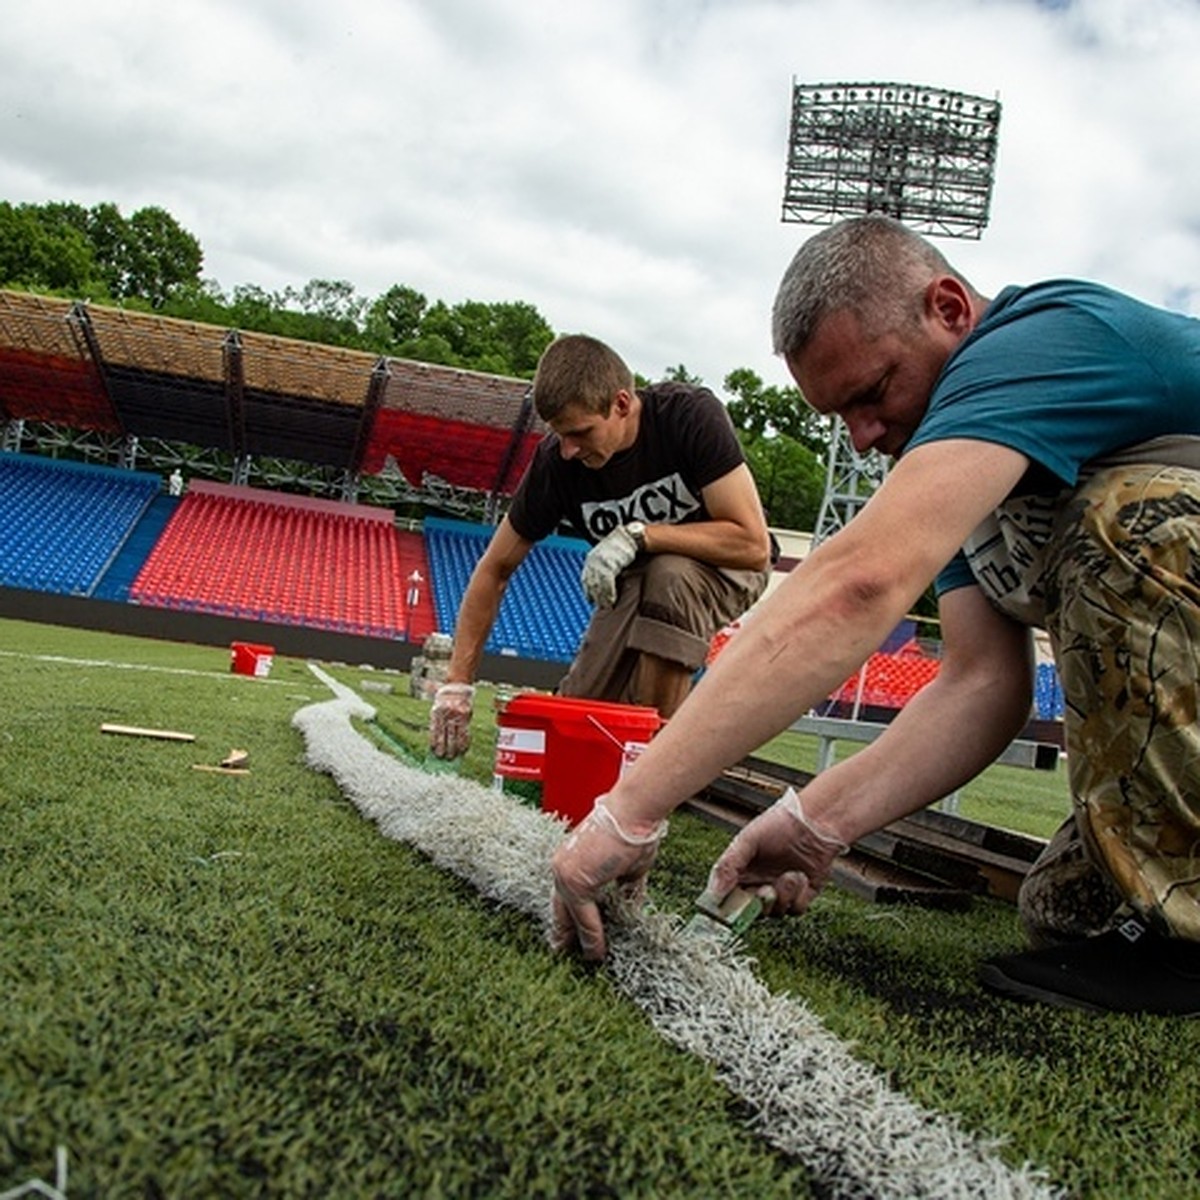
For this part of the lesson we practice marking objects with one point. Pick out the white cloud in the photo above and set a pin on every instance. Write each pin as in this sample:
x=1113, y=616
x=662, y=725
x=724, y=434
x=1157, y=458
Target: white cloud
x=618, y=164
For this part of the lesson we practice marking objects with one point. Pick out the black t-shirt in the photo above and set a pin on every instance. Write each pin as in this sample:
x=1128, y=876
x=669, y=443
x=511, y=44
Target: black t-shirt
x=685, y=442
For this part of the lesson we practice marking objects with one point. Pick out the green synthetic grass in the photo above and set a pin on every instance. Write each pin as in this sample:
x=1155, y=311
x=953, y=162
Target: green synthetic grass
x=234, y=986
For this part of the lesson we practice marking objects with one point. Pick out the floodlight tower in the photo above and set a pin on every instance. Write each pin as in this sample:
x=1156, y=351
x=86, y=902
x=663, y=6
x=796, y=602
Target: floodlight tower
x=923, y=155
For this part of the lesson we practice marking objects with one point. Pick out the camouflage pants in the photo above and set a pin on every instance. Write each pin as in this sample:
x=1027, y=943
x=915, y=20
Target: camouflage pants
x=1122, y=583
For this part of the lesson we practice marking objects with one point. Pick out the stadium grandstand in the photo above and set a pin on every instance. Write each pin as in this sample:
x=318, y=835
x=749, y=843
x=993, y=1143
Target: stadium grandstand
x=278, y=534
x=299, y=459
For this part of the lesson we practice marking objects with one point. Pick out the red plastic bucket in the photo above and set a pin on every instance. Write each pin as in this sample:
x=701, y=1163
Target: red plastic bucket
x=588, y=744
x=246, y=658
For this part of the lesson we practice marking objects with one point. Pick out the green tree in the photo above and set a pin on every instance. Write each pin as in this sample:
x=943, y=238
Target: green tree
x=159, y=256
x=325, y=310
x=108, y=233
x=790, y=479
x=680, y=374
x=199, y=301
x=46, y=251
x=96, y=253
x=394, y=318
x=765, y=411
x=253, y=307
x=504, y=338
x=786, y=446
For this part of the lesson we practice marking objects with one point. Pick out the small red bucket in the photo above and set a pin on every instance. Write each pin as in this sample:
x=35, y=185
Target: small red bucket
x=248, y=659
x=588, y=744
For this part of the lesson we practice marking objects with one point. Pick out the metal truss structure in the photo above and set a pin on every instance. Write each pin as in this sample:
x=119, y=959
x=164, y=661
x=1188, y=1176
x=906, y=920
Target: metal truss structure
x=850, y=482
x=923, y=155
x=388, y=488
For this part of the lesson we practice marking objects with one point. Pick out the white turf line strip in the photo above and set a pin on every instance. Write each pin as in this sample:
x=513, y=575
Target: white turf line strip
x=808, y=1096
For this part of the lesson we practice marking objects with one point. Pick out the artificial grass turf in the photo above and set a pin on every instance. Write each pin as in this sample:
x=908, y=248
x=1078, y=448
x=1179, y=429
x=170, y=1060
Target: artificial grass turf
x=235, y=986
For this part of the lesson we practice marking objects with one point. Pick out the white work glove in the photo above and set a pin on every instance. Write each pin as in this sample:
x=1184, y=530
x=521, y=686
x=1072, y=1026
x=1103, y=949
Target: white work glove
x=450, y=719
x=605, y=561
x=780, y=850
x=596, y=853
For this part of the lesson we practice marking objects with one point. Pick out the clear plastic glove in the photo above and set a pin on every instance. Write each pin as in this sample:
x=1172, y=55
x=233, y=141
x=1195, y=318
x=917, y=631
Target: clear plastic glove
x=605, y=561
x=781, y=852
x=450, y=719
x=596, y=853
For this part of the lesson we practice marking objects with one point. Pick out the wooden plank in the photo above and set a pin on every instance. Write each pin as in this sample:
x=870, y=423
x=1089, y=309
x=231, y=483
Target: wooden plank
x=886, y=883
x=165, y=735
x=925, y=860
x=987, y=837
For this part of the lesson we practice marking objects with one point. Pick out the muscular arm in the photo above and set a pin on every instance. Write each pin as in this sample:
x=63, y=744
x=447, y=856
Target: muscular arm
x=946, y=734
x=734, y=536
x=481, y=601
x=824, y=620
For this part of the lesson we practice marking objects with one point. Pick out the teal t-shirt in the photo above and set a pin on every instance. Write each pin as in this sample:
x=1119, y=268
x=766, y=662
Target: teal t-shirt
x=1069, y=373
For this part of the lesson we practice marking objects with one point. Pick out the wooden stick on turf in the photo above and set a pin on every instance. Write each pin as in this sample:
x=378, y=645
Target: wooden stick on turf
x=166, y=735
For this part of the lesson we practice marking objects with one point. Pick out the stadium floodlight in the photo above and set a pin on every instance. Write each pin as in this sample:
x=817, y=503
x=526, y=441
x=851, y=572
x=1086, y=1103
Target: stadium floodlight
x=923, y=155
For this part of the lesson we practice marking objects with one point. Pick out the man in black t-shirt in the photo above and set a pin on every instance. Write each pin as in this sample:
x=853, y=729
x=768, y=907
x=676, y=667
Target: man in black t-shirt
x=657, y=482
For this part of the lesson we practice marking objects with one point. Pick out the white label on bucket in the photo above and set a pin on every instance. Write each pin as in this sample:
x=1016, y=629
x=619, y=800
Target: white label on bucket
x=527, y=741
x=520, y=753
x=629, y=754
x=262, y=665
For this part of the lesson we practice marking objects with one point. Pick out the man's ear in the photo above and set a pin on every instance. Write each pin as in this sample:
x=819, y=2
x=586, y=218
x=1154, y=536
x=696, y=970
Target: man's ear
x=948, y=301
x=622, y=403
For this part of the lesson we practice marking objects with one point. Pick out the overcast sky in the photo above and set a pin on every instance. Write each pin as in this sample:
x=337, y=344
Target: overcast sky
x=619, y=164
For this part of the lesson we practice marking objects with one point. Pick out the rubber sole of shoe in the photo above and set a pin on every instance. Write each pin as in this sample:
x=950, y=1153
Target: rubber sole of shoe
x=995, y=980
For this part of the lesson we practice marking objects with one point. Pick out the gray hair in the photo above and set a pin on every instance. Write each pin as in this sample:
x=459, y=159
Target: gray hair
x=872, y=266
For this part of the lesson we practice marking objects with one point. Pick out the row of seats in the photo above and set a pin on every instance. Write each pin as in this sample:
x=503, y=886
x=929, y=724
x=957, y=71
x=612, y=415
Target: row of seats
x=278, y=562
x=543, y=613
x=61, y=523
x=267, y=559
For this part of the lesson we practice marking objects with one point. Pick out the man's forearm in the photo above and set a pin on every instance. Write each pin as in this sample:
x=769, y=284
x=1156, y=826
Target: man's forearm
x=476, y=615
x=942, y=738
x=718, y=543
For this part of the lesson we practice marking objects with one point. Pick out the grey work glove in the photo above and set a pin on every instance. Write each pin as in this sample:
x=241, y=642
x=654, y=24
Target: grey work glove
x=605, y=561
x=450, y=719
x=781, y=852
x=596, y=853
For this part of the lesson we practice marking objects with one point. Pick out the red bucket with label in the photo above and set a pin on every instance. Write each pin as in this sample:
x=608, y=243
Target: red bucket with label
x=247, y=658
x=587, y=745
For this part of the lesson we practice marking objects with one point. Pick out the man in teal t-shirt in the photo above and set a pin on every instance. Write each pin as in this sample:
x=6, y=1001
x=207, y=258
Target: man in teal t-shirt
x=1047, y=447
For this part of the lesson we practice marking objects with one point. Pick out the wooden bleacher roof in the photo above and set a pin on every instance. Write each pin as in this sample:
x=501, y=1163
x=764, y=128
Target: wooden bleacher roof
x=124, y=372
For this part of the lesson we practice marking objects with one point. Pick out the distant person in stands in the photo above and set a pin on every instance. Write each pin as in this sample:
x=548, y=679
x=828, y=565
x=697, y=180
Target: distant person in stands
x=175, y=483
x=656, y=480
x=1048, y=474
x=414, y=588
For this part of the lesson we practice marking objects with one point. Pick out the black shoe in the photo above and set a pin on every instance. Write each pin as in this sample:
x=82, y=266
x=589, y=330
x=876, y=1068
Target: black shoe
x=1129, y=969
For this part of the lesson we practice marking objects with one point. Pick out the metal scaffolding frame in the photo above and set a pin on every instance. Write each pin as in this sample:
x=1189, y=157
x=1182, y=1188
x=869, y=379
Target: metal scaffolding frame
x=850, y=482
x=923, y=155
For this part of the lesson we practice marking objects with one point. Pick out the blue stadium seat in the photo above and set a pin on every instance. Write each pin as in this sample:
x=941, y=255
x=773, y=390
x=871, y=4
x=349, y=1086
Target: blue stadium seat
x=544, y=612
x=62, y=523
x=1047, y=693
